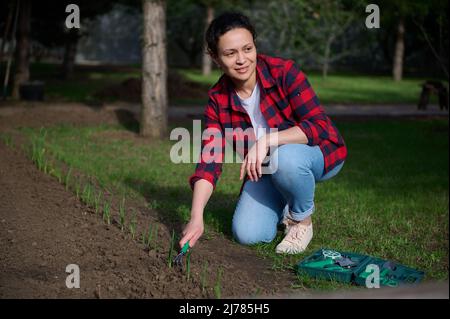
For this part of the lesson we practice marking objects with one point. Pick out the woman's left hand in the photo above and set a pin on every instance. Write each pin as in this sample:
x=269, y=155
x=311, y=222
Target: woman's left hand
x=252, y=164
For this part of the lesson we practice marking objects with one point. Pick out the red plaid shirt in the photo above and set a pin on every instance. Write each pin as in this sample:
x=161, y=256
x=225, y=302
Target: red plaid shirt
x=287, y=99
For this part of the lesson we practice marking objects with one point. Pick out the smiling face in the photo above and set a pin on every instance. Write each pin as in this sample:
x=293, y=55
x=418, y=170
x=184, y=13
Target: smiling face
x=236, y=54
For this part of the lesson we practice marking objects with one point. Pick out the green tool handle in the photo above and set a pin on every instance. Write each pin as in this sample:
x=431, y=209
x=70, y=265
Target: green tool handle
x=320, y=263
x=185, y=247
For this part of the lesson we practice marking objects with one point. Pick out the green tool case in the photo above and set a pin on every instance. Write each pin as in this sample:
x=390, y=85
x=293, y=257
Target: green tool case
x=352, y=268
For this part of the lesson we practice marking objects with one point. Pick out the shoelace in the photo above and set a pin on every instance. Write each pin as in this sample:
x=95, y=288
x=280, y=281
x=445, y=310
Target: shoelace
x=296, y=233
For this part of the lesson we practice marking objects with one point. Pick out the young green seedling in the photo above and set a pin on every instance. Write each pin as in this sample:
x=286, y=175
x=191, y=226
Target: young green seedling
x=92, y=195
x=143, y=239
x=41, y=159
x=67, y=178
x=45, y=163
x=97, y=200
x=218, y=285
x=84, y=194
x=42, y=133
x=45, y=166
x=7, y=139
x=107, y=212
x=77, y=189
x=58, y=175
x=38, y=150
x=122, y=214
x=149, y=237
x=49, y=167
x=155, y=238
x=133, y=225
x=89, y=194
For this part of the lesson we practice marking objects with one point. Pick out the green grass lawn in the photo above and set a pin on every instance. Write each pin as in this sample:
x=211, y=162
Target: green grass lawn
x=85, y=82
x=347, y=88
x=82, y=86
x=337, y=88
x=389, y=201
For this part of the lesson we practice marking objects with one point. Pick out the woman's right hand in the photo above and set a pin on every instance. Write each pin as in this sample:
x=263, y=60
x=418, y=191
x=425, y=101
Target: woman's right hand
x=192, y=232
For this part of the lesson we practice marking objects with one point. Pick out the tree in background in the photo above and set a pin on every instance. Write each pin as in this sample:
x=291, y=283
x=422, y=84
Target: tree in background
x=154, y=70
x=49, y=27
x=6, y=23
x=314, y=31
x=404, y=29
x=393, y=16
x=110, y=33
x=185, y=27
x=433, y=28
x=206, y=59
x=187, y=21
x=22, y=70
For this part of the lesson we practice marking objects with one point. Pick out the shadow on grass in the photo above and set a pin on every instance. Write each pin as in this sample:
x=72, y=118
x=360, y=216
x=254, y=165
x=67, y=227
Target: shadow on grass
x=128, y=120
x=174, y=215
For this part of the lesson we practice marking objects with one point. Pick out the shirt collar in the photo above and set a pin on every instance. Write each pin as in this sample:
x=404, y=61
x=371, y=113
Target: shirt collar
x=263, y=72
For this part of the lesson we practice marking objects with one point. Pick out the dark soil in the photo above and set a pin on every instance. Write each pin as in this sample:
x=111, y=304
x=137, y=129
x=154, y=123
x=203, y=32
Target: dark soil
x=44, y=228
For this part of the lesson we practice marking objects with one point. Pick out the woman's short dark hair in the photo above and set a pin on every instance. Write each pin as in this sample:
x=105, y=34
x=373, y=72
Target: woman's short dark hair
x=222, y=24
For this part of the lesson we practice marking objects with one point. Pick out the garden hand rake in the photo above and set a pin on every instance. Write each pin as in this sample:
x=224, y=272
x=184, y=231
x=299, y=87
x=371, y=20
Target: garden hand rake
x=178, y=261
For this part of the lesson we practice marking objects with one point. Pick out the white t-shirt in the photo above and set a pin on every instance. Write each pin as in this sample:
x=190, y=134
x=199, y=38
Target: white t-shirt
x=251, y=105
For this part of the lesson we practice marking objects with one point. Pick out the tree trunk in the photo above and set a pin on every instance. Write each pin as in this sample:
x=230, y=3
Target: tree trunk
x=326, y=58
x=70, y=51
x=325, y=69
x=207, y=63
x=154, y=70
x=7, y=27
x=22, y=73
x=397, y=69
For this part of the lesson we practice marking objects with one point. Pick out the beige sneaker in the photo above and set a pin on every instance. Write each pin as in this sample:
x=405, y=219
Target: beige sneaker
x=297, y=238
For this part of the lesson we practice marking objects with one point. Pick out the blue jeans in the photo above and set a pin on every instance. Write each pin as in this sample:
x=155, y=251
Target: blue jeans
x=263, y=204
